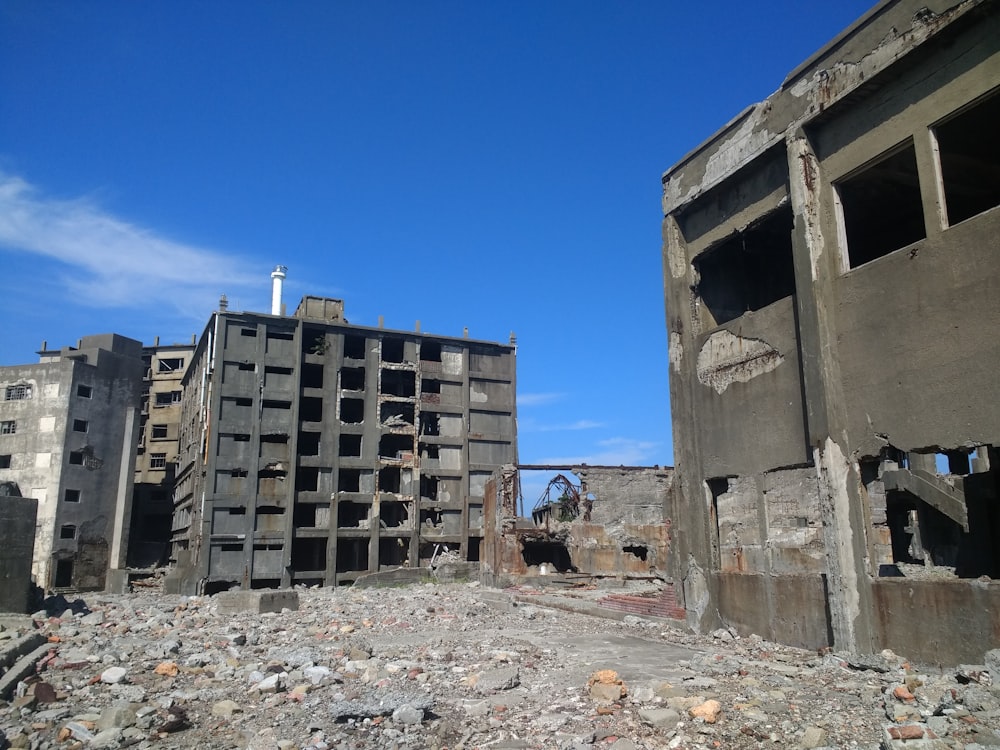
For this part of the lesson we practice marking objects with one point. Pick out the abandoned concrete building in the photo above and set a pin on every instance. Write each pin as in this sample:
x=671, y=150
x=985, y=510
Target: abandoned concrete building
x=68, y=430
x=315, y=451
x=156, y=453
x=833, y=294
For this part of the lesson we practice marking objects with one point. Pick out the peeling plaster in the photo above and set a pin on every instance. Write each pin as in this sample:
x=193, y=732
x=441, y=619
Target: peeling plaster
x=676, y=351
x=676, y=260
x=726, y=358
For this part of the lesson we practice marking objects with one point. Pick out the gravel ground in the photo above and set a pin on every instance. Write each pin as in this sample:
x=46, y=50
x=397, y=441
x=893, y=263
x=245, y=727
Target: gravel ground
x=457, y=666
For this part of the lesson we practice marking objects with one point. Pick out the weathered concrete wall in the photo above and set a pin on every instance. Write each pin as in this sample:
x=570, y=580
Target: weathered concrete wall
x=788, y=609
x=17, y=536
x=938, y=622
x=627, y=494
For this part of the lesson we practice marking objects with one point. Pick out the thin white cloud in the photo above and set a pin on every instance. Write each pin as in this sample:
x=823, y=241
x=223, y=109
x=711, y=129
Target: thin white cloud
x=617, y=451
x=108, y=262
x=580, y=424
x=537, y=399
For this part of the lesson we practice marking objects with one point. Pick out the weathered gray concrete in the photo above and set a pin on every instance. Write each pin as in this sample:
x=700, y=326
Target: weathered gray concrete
x=257, y=602
x=17, y=543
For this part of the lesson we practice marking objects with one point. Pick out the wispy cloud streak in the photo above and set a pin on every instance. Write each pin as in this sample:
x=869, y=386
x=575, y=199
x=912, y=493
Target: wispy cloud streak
x=537, y=399
x=108, y=262
x=616, y=451
x=580, y=424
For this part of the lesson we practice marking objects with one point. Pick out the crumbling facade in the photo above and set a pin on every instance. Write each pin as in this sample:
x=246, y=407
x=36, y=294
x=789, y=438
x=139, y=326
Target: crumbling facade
x=68, y=431
x=833, y=292
x=611, y=524
x=316, y=451
x=156, y=453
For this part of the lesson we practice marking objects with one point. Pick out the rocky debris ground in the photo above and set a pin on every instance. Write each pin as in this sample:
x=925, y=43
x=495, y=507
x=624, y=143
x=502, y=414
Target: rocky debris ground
x=456, y=666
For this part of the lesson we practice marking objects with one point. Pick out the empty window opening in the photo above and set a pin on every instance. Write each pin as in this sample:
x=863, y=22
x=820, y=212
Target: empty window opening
x=241, y=437
x=5, y=461
x=428, y=487
x=67, y=531
x=750, y=270
x=311, y=409
x=352, y=378
x=64, y=574
x=430, y=423
x=350, y=445
x=472, y=554
x=349, y=480
x=309, y=554
x=430, y=452
x=237, y=473
x=274, y=437
x=281, y=335
x=171, y=364
x=71, y=496
x=166, y=398
x=248, y=332
x=352, y=410
x=309, y=443
x=271, y=403
x=159, y=432
x=397, y=414
x=304, y=516
x=8, y=427
x=717, y=486
x=882, y=207
x=552, y=553
x=157, y=460
x=352, y=554
x=398, y=447
x=392, y=350
x=76, y=458
x=80, y=425
x=243, y=401
x=953, y=462
x=393, y=515
x=307, y=479
x=17, y=392
x=388, y=479
x=393, y=551
x=247, y=366
x=354, y=346
x=312, y=376
x=970, y=159
x=273, y=471
x=84, y=391
x=637, y=550
x=429, y=385
x=430, y=351
x=314, y=341
x=352, y=515
x=401, y=383
x=265, y=583
x=431, y=518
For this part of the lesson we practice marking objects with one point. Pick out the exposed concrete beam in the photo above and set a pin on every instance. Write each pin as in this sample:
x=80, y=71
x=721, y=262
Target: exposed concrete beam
x=932, y=490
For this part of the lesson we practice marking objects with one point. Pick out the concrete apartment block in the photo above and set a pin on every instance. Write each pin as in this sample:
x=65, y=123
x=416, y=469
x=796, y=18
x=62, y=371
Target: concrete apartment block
x=833, y=295
x=68, y=430
x=315, y=451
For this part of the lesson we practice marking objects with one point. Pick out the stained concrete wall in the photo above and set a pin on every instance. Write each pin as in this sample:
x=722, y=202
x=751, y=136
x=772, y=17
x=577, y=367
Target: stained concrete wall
x=787, y=609
x=17, y=536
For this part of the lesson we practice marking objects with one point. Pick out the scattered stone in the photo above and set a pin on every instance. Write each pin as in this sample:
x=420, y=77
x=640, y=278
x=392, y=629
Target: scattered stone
x=662, y=718
x=708, y=711
x=113, y=675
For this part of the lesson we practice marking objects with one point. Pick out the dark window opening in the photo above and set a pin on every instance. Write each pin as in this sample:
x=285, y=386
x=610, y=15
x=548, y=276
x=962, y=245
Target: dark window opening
x=312, y=376
x=8, y=427
x=750, y=270
x=248, y=366
x=67, y=531
x=352, y=515
x=352, y=554
x=349, y=480
x=76, y=458
x=250, y=332
x=272, y=471
x=393, y=515
x=882, y=207
x=350, y=445
x=80, y=425
x=430, y=351
x=430, y=423
x=352, y=410
x=970, y=160
x=172, y=364
x=271, y=403
x=314, y=341
x=431, y=452
x=157, y=460
x=71, y=496
x=84, y=391
x=431, y=518
x=311, y=409
x=159, y=432
x=168, y=398
x=354, y=347
x=5, y=461
x=242, y=401
x=307, y=479
x=265, y=583
x=637, y=550
x=238, y=473
x=556, y=554
x=401, y=383
x=396, y=447
x=64, y=574
x=17, y=392
x=304, y=516
x=397, y=414
x=241, y=437
x=352, y=378
x=393, y=551
x=274, y=437
x=309, y=554
x=281, y=335
x=428, y=487
x=429, y=385
x=217, y=587
x=392, y=350
x=389, y=479
x=473, y=549
x=309, y=443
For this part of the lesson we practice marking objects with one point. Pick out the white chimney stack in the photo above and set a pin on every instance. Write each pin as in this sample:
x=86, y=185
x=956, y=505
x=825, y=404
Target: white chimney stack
x=277, y=277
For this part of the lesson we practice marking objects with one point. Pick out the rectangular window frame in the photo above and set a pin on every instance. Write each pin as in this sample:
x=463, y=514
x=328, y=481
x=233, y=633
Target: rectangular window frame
x=18, y=392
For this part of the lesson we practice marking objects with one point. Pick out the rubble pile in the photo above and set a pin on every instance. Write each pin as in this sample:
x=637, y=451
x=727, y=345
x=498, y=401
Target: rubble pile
x=455, y=666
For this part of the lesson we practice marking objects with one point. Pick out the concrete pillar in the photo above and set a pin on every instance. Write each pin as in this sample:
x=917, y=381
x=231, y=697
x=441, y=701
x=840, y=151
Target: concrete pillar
x=17, y=539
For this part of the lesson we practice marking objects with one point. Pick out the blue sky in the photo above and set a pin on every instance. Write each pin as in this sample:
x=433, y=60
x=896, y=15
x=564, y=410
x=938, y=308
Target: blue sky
x=494, y=165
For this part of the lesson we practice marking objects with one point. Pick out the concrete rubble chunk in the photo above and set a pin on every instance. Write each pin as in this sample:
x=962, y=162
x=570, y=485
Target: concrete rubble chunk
x=256, y=602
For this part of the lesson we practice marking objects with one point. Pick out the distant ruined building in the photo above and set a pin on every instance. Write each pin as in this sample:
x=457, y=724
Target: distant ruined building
x=832, y=275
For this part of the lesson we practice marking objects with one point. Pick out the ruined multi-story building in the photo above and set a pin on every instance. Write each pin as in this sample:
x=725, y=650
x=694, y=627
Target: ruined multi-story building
x=833, y=295
x=156, y=453
x=315, y=451
x=68, y=431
